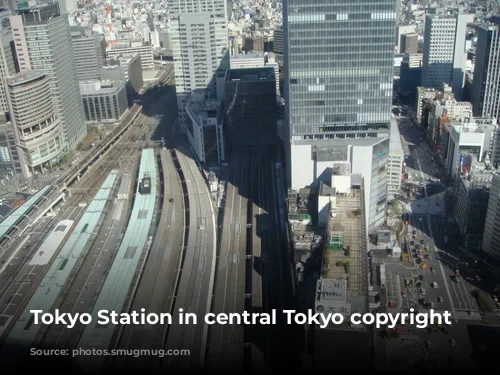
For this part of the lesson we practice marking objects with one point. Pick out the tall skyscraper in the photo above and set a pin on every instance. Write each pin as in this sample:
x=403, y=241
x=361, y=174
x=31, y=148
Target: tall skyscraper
x=338, y=60
x=486, y=84
x=39, y=134
x=89, y=51
x=7, y=58
x=43, y=43
x=444, y=59
x=198, y=31
x=9, y=157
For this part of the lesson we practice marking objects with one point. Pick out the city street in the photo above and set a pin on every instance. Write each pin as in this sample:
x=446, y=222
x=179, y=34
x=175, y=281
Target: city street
x=439, y=276
x=420, y=155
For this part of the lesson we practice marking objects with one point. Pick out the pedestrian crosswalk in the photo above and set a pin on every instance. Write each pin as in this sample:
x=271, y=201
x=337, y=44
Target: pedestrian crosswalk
x=463, y=315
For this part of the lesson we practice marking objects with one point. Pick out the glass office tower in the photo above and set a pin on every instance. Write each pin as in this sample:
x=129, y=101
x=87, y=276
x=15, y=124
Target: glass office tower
x=339, y=61
x=339, y=57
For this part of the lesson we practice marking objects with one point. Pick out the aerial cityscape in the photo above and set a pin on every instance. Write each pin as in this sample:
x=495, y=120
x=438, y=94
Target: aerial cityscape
x=213, y=159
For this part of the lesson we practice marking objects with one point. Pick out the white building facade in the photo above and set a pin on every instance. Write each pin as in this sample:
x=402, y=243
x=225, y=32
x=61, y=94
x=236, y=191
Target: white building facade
x=38, y=130
x=198, y=32
x=475, y=137
x=396, y=159
x=444, y=59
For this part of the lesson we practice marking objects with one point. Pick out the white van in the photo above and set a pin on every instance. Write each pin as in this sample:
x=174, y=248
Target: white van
x=434, y=285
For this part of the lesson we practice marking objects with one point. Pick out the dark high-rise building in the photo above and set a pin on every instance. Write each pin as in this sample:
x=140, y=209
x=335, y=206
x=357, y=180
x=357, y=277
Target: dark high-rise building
x=338, y=63
x=250, y=107
x=486, y=83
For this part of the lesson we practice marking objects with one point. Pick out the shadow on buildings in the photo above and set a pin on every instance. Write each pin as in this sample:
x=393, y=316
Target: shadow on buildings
x=252, y=157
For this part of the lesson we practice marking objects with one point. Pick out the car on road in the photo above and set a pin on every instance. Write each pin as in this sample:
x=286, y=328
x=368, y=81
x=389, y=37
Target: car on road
x=422, y=242
x=426, y=256
x=412, y=243
x=494, y=297
x=457, y=272
x=478, y=278
x=434, y=285
x=440, y=299
x=422, y=291
x=452, y=342
x=423, y=266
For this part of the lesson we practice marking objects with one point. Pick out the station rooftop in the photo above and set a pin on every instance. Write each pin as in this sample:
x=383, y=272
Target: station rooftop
x=24, y=331
x=117, y=285
x=10, y=221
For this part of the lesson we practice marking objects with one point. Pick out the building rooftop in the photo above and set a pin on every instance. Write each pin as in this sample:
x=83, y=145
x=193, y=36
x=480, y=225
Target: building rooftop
x=24, y=77
x=395, y=137
x=344, y=231
x=341, y=168
x=100, y=87
x=343, y=287
x=251, y=74
x=335, y=143
x=201, y=101
x=249, y=55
